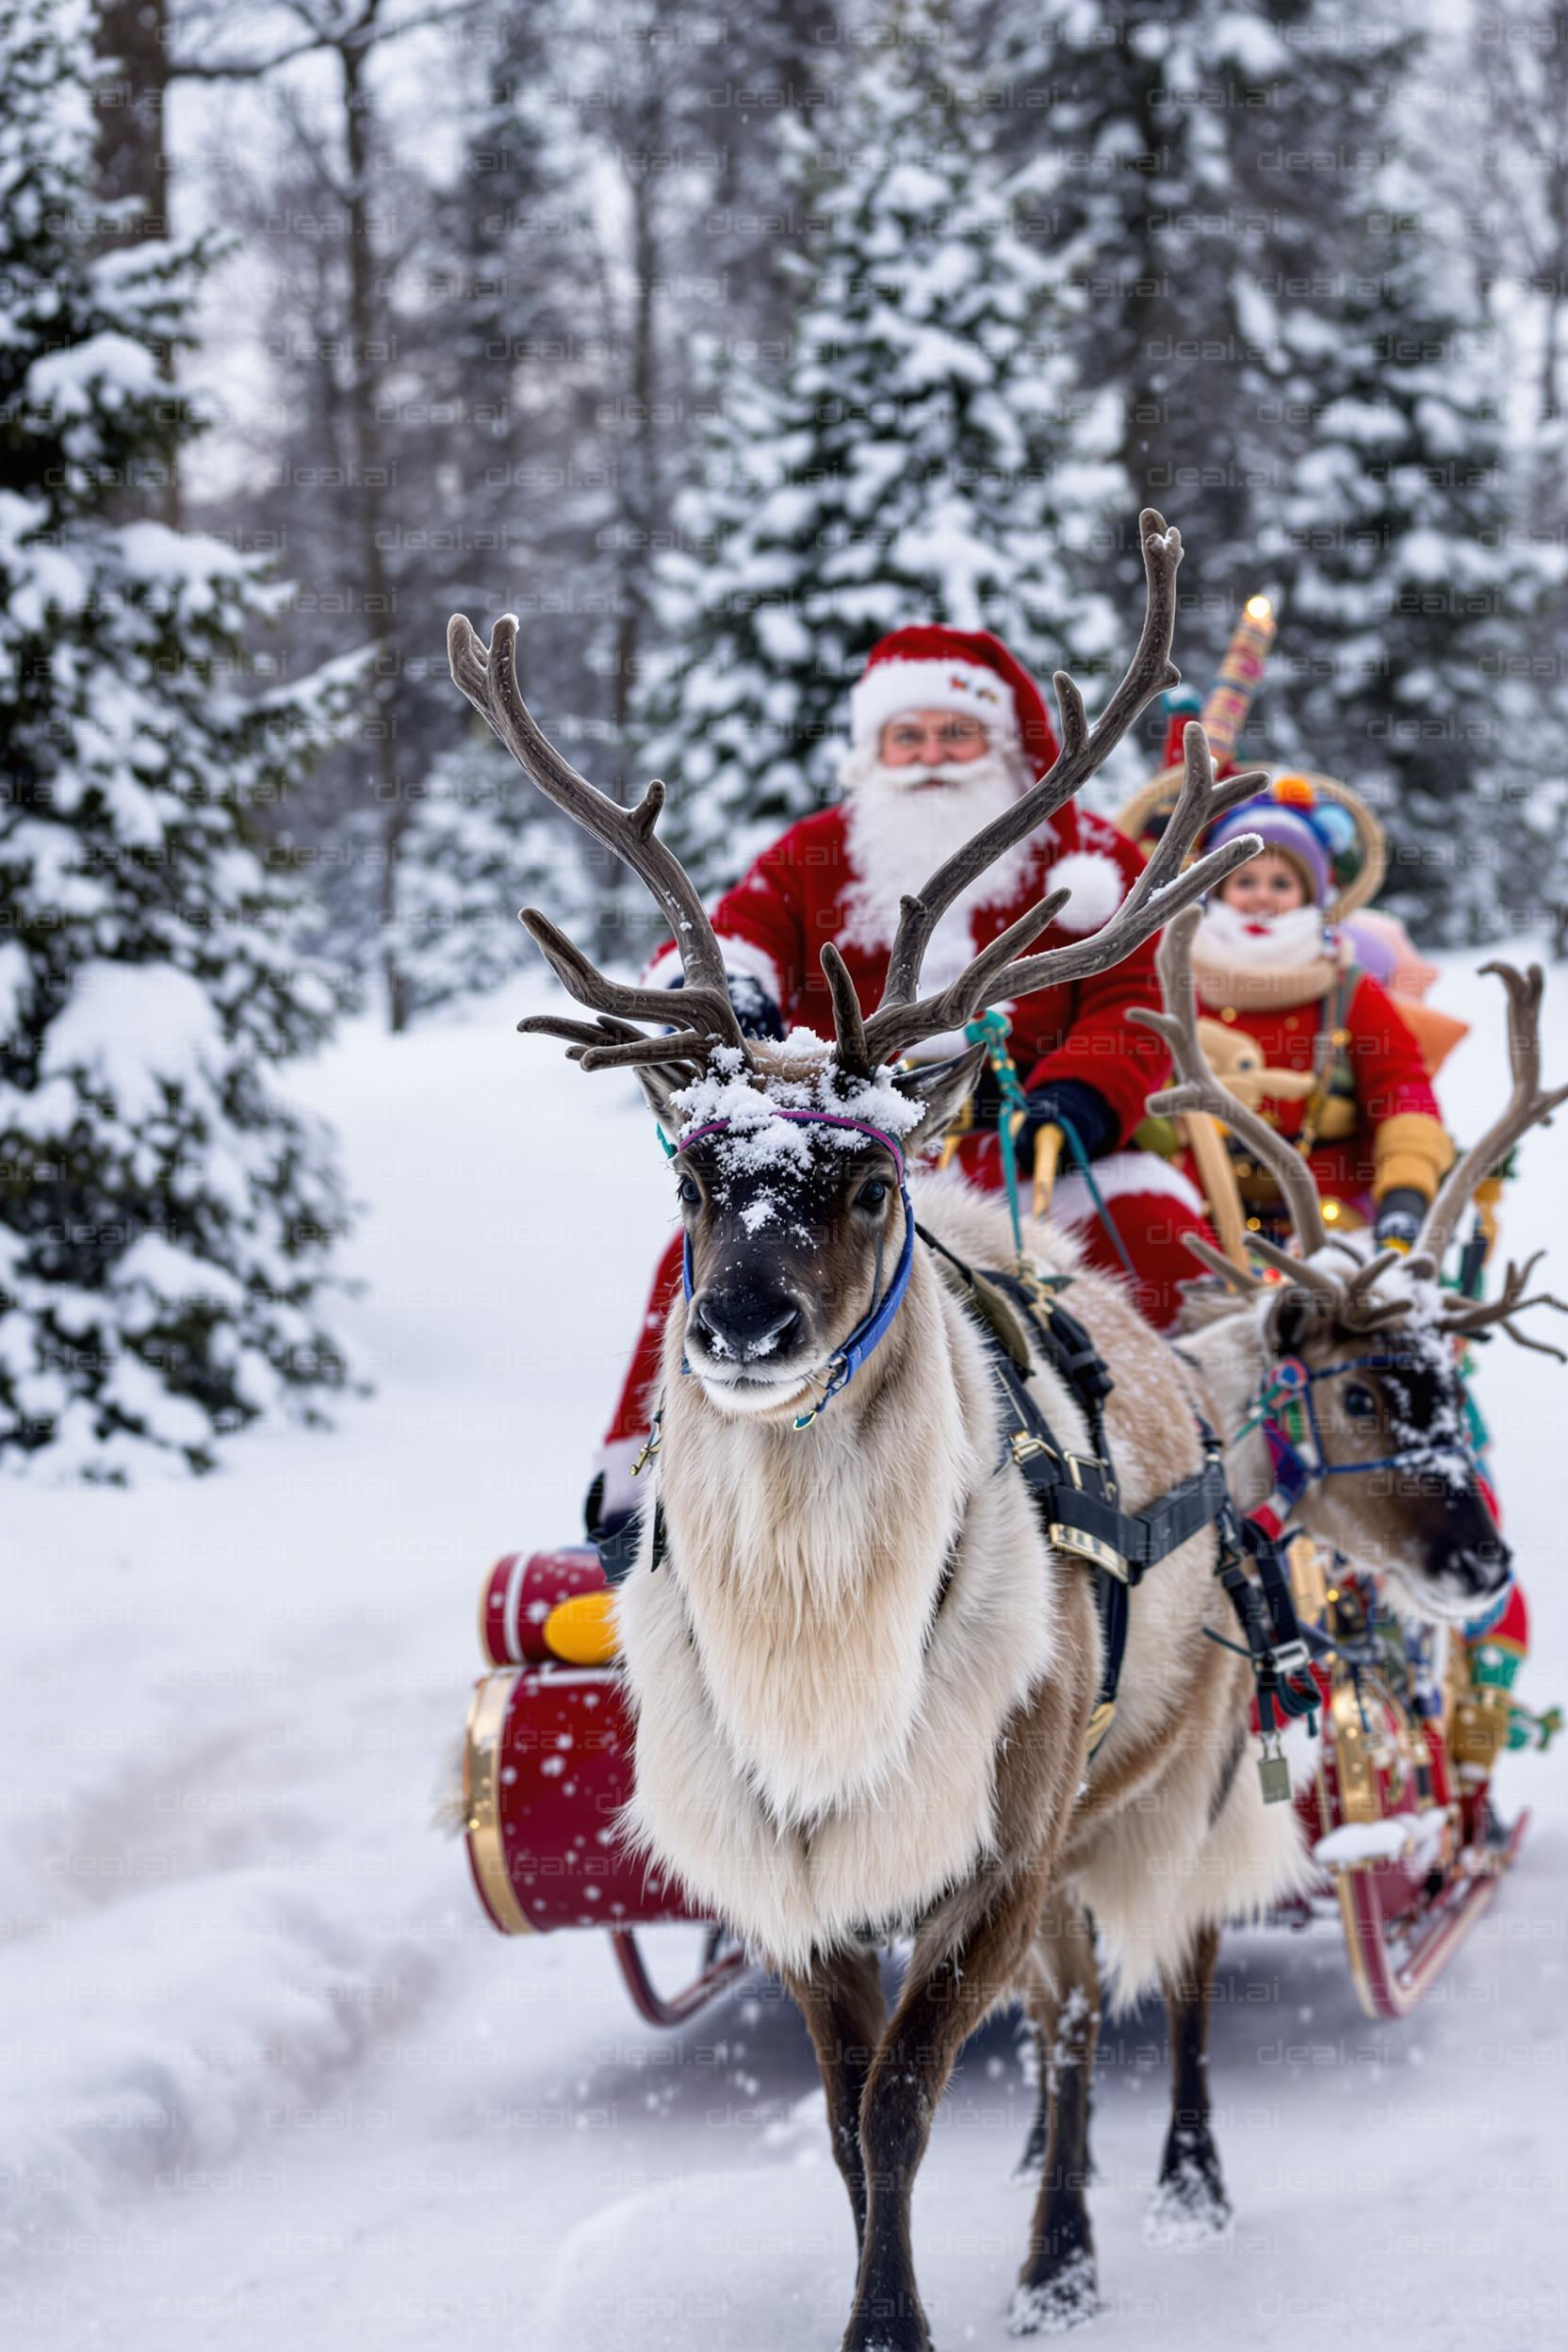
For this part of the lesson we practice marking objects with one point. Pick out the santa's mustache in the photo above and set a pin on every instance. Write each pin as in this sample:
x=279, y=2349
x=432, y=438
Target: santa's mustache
x=983, y=773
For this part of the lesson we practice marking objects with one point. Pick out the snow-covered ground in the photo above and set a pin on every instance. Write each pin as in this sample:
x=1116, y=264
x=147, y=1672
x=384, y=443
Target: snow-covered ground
x=269, y=2078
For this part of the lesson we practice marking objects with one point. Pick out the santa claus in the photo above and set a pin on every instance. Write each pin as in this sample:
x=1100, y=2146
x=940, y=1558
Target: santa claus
x=946, y=730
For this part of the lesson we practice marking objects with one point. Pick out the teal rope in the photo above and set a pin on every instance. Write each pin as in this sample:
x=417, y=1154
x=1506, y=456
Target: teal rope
x=1075, y=1145
x=992, y=1031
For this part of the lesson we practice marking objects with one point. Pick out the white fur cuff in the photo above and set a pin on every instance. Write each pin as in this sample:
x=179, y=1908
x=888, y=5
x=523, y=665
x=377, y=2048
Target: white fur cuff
x=1121, y=1176
x=1097, y=887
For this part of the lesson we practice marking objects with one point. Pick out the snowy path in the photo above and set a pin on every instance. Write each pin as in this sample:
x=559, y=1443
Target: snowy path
x=268, y=2077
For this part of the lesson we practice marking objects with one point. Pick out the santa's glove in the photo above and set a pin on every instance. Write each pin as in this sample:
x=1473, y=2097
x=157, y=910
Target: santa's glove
x=754, y=1009
x=1067, y=1101
x=1400, y=1214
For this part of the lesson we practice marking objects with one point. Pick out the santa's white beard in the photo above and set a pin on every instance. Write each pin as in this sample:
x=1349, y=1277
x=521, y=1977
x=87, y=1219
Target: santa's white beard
x=1229, y=936
x=904, y=823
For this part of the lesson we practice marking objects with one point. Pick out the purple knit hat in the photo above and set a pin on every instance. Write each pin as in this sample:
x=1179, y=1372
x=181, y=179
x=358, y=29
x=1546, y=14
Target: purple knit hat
x=1288, y=829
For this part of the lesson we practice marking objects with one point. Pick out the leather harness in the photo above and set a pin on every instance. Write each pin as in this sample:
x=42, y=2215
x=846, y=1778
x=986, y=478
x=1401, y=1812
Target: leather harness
x=1077, y=1498
x=1077, y=1495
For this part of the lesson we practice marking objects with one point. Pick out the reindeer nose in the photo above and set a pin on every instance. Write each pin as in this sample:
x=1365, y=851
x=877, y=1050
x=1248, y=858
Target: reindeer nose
x=1481, y=1567
x=738, y=1325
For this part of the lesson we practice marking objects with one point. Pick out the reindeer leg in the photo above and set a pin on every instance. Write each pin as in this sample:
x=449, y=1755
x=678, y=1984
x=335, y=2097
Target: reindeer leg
x=841, y=1999
x=1189, y=2205
x=956, y=1973
x=1040, y=2004
x=1040, y=2009
x=1058, y=2288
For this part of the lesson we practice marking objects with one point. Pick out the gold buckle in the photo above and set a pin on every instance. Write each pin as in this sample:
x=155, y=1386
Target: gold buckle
x=1025, y=1447
x=1093, y=1548
x=650, y=1446
x=1100, y=1722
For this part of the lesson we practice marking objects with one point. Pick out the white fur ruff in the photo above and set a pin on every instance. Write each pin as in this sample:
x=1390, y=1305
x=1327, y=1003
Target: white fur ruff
x=742, y=957
x=816, y=1749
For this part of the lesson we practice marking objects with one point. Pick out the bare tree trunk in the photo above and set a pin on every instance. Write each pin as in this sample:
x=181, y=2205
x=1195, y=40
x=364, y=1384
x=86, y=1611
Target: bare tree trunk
x=638, y=518
x=371, y=507
x=133, y=161
x=1556, y=68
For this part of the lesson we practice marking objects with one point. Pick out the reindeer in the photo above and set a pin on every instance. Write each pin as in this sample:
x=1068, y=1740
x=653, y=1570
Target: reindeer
x=1372, y=1328
x=866, y=1678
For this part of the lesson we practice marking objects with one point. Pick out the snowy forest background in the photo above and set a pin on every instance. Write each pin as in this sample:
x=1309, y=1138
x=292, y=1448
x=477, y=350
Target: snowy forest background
x=714, y=344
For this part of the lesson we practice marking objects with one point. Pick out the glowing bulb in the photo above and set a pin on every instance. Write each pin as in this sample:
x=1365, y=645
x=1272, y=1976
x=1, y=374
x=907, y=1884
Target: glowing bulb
x=1259, y=609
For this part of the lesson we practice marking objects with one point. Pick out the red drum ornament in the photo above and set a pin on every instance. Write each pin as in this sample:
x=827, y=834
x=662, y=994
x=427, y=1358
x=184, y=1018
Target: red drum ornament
x=547, y=1759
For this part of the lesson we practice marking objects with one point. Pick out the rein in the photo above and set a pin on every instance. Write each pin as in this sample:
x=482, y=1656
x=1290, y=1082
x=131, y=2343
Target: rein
x=877, y=1321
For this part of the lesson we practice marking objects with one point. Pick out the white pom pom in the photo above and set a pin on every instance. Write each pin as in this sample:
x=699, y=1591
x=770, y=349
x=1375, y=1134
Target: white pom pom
x=1096, y=884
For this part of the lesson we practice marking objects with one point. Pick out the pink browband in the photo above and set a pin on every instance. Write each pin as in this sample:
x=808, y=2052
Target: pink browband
x=806, y=1118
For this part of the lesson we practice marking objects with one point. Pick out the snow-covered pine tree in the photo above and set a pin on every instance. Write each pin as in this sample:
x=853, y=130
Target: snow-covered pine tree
x=507, y=337
x=930, y=455
x=1413, y=590
x=482, y=843
x=1204, y=164
x=165, y=1222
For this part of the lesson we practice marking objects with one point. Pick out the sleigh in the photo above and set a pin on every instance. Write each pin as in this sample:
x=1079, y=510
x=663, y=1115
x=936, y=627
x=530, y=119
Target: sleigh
x=1395, y=1807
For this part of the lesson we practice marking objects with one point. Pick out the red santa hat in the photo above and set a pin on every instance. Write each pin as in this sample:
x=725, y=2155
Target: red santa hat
x=932, y=668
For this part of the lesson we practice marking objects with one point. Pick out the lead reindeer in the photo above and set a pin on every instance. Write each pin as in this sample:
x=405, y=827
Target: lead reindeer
x=866, y=1675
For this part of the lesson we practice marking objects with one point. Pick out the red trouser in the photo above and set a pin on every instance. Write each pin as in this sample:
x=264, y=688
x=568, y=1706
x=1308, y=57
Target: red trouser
x=1150, y=1204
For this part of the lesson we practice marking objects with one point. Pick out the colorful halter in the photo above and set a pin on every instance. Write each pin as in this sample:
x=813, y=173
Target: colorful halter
x=876, y=1322
x=1288, y=1417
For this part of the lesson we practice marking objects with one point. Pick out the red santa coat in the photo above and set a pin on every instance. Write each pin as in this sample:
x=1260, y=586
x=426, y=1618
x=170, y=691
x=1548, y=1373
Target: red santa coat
x=1387, y=1073
x=800, y=893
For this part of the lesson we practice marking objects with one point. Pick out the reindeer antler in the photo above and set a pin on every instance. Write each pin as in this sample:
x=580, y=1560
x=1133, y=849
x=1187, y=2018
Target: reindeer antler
x=489, y=679
x=1527, y=1107
x=1480, y=1314
x=1347, y=1299
x=1197, y=1088
x=902, y=1019
x=490, y=683
x=1351, y=1298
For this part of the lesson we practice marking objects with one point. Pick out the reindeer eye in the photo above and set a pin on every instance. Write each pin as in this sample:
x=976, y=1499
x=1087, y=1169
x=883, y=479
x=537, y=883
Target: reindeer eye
x=873, y=1195
x=691, y=1192
x=1360, y=1403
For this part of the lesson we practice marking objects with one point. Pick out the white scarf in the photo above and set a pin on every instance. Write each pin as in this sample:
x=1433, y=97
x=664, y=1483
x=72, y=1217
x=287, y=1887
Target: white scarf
x=1256, y=962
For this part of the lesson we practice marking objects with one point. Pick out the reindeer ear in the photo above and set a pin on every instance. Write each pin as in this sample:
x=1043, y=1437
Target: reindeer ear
x=660, y=1087
x=943, y=1089
x=1292, y=1319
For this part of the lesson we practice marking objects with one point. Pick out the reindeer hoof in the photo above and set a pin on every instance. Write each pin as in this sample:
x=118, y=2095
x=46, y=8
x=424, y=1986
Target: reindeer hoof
x=1190, y=2206
x=1068, y=2298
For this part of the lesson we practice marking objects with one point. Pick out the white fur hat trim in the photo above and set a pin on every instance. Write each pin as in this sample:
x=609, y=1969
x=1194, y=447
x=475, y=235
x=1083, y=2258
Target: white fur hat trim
x=889, y=687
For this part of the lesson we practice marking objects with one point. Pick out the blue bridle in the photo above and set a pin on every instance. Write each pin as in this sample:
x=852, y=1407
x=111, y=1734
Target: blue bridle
x=876, y=1322
x=1295, y=1468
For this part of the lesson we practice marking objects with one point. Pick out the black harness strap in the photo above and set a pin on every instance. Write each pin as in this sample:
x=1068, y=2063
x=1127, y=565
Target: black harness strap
x=617, y=1551
x=1076, y=1495
x=1275, y=1649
